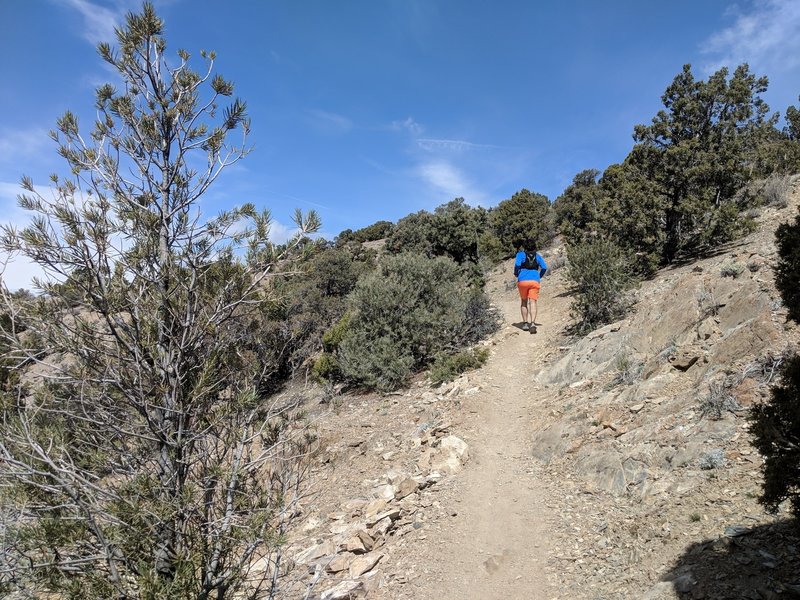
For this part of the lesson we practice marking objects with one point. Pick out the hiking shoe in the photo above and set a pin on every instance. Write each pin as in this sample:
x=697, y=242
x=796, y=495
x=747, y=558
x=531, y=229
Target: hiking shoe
x=526, y=326
x=533, y=328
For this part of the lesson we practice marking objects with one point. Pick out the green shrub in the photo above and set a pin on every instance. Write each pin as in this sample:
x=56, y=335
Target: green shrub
x=334, y=336
x=376, y=231
x=776, y=424
x=333, y=272
x=326, y=368
x=787, y=276
x=601, y=276
x=453, y=230
x=776, y=427
x=447, y=367
x=576, y=208
x=480, y=320
x=403, y=314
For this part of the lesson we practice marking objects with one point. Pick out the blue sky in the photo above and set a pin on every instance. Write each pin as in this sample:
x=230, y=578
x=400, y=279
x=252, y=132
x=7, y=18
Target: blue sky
x=373, y=109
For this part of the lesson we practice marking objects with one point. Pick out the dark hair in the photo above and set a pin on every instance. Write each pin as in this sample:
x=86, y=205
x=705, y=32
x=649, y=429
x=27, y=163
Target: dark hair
x=530, y=246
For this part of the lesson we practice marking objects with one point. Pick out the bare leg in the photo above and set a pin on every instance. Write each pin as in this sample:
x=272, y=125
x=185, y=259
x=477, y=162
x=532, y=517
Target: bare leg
x=535, y=311
x=523, y=308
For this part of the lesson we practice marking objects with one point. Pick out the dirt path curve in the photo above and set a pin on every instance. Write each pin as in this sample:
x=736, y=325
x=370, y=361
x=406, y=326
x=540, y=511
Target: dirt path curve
x=496, y=544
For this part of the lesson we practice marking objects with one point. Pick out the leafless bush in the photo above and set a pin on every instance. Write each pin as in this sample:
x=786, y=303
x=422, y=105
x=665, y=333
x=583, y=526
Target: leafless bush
x=556, y=262
x=776, y=190
x=706, y=302
x=712, y=459
x=629, y=371
x=731, y=269
x=718, y=401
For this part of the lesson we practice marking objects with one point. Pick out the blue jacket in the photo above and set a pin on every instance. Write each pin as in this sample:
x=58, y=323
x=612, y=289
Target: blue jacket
x=529, y=274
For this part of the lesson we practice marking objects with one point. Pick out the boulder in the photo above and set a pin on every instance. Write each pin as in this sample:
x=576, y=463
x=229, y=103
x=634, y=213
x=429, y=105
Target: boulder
x=683, y=360
x=340, y=562
x=345, y=590
x=455, y=446
x=364, y=563
x=385, y=492
x=381, y=528
x=314, y=553
x=406, y=488
x=360, y=542
x=392, y=514
x=375, y=507
x=448, y=457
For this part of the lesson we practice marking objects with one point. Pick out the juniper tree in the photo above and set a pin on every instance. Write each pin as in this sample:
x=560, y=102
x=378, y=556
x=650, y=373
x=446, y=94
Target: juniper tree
x=149, y=463
x=697, y=150
x=776, y=424
x=521, y=217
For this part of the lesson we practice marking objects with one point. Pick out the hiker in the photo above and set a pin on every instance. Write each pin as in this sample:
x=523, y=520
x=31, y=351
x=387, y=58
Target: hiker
x=529, y=268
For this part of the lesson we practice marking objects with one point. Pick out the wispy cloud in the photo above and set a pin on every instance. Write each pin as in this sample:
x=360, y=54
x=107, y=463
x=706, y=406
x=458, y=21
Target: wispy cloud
x=22, y=143
x=765, y=36
x=295, y=199
x=409, y=125
x=450, y=167
x=432, y=145
x=450, y=181
x=98, y=21
x=329, y=122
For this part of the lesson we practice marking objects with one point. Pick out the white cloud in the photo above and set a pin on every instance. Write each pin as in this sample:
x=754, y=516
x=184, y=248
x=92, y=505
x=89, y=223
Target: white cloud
x=17, y=272
x=22, y=143
x=329, y=122
x=442, y=164
x=280, y=233
x=767, y=37
x=431, y=145
x=409, y=125
x=448, y=180
x=98, y=21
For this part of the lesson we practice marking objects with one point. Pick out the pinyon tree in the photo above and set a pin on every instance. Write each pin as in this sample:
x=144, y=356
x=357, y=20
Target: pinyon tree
x=144, y=459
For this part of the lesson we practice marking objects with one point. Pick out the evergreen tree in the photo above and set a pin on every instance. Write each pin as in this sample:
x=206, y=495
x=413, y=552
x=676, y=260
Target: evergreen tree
x=522, y=217
x=776, y=424
x=787, y=278
x=697, y=150
x=578, y=207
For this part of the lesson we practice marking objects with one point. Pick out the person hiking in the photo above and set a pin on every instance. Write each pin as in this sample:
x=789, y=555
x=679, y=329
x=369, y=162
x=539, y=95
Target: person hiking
x=529, y=268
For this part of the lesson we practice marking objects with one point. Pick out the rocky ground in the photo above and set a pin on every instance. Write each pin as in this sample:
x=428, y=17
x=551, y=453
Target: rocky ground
x=616, y=465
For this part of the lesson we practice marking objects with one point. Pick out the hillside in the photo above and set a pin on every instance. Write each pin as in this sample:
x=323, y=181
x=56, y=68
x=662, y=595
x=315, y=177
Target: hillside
x=617, y=465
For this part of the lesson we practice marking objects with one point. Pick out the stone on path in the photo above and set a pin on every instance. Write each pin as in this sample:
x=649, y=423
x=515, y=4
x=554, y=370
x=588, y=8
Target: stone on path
x=342, y=591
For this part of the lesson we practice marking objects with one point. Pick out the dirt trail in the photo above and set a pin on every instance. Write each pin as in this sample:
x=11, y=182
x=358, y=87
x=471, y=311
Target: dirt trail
x=496, y=545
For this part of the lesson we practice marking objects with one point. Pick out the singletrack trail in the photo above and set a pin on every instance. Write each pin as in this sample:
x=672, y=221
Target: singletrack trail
x=496, y=543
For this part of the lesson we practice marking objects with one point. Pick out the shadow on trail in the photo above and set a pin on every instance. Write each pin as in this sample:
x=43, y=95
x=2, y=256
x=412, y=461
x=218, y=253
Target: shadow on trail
x=521, y=324
x=759, y=563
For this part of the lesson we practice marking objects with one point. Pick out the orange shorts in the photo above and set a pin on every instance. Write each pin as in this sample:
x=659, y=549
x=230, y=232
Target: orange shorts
x=528, y=290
